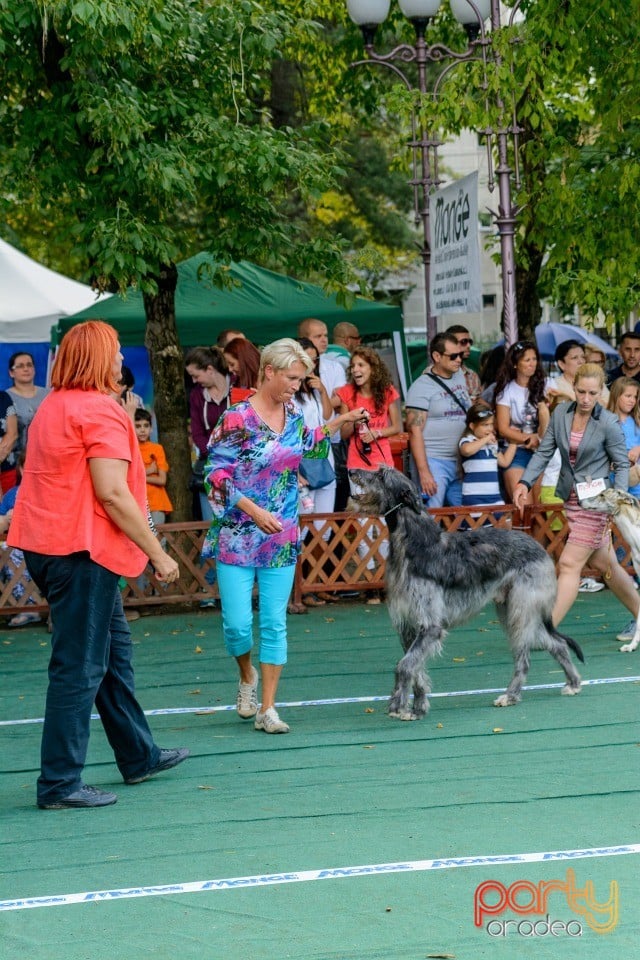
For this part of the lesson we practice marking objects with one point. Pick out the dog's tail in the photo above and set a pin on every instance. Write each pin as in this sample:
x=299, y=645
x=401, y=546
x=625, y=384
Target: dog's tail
x=570, y=642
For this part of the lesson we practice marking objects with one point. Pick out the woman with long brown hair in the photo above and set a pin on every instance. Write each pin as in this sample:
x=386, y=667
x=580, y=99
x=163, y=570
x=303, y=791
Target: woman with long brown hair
x=370, y=387
x=522, y=414
x=243, y=362
x=208, y=400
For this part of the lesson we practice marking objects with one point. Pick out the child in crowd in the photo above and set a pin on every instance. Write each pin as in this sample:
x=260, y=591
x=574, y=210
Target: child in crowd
x=156, y=466
x=12, y=567
x=625, y=401
x=481, y=459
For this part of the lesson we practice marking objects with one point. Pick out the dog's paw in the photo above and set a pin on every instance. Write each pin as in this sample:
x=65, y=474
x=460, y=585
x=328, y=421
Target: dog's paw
x=505, y=701
x=628, y=647
x=403, y=714
x=420, y=711
x=569, y=691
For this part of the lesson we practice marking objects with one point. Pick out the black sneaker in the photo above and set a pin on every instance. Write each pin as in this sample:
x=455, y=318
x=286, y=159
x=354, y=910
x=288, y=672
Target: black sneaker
x=166, y=760
x=84, y=797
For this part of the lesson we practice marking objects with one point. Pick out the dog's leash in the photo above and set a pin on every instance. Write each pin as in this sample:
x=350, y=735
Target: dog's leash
x=392, y=510
x=607, y=575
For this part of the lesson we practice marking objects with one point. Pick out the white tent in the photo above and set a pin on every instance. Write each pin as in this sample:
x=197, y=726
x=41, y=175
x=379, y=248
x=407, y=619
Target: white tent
x=33, y=298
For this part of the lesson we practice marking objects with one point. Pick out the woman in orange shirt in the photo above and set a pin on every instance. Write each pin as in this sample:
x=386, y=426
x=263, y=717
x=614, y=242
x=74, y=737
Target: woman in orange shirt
x=371, y=388
x=80, y=518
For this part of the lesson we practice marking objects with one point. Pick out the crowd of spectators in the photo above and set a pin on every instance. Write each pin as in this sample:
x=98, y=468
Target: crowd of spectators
x=306, y=411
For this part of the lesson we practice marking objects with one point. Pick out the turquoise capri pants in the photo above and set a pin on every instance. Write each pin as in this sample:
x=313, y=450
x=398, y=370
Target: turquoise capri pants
x=274, y=587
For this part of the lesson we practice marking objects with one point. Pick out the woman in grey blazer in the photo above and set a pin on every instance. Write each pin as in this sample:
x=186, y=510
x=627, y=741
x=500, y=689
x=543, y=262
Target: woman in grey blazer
x=591, y=444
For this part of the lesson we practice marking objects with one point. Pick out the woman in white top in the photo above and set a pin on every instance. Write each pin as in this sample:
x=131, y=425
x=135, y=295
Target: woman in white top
x=314, y=403
x=522, y=414
x=315, y=406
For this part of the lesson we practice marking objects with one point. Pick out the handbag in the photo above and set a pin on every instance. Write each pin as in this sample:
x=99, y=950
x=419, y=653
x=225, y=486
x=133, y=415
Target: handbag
x=196, y=480
x=318, y=472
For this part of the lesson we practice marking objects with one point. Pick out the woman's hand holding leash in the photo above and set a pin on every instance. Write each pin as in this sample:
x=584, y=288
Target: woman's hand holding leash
x=165, y=568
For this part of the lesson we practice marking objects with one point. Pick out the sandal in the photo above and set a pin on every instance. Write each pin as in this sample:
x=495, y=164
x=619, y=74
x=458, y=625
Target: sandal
x=22, y=619
x=294, y=608
x=312, y=601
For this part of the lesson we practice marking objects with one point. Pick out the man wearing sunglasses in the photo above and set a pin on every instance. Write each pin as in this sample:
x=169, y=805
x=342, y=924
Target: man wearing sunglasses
x=465, y=342
x=436, y=409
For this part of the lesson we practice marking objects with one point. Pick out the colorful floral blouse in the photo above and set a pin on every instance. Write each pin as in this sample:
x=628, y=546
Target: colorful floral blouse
x=246, y=458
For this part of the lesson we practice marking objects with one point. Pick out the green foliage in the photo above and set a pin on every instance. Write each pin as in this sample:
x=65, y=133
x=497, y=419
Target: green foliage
x=141, y=120
x=145, y=129
x=583, y=79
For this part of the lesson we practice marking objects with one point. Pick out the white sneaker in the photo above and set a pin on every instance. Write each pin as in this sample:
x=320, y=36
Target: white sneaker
x=589, y=585
x=247, y=699
x=628, y=633
x=270, y=722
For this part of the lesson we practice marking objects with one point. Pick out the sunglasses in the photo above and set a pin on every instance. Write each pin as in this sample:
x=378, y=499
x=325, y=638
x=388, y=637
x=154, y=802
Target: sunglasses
x=454, y=356
x=482, y=415
x=465, y=341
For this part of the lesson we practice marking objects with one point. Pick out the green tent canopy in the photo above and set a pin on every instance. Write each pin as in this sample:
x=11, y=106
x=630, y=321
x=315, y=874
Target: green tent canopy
x=265, y=306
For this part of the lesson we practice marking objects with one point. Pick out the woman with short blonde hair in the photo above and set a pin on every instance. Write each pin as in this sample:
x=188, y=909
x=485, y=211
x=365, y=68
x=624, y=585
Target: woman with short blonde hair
x=251, y=478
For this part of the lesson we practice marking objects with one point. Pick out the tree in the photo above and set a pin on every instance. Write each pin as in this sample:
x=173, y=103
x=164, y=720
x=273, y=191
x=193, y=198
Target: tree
x=138, y=128
x=573, y=72
x=370, y=201
x=576, y=78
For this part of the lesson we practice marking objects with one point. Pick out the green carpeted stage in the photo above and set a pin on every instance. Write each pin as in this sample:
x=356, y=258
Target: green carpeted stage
x=355, y=837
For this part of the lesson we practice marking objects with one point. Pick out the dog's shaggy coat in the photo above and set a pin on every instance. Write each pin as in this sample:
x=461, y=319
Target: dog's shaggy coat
x=625, y=510
x=436, y=580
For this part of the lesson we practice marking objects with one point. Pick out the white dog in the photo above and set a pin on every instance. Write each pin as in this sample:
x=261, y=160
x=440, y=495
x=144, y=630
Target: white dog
x=625, y=510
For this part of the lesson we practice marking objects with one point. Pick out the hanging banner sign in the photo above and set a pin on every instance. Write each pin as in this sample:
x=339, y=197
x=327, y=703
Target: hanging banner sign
x=455, y=284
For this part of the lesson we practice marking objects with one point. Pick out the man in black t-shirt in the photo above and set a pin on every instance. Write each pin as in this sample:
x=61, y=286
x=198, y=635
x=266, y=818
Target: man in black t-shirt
x=629, y=350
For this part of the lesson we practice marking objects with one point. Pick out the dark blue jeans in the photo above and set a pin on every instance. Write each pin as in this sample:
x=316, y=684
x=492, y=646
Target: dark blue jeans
x=90, y=662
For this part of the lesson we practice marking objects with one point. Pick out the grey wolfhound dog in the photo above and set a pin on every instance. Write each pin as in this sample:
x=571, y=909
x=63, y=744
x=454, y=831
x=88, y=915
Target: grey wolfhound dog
x=624, y=508
x=436, y=580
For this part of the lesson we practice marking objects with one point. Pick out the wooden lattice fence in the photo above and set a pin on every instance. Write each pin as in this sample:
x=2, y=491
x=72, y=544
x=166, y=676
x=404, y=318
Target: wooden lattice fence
x=342, y=552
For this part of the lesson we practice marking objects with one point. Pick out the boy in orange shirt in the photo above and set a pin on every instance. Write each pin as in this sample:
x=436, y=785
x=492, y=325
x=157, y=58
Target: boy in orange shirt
x=156, y=468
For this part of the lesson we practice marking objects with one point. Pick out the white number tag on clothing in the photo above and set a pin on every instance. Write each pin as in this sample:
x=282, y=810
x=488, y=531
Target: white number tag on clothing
x=590, y=488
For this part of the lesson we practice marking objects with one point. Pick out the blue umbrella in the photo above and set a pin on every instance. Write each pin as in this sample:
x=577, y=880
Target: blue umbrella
x=550, y=335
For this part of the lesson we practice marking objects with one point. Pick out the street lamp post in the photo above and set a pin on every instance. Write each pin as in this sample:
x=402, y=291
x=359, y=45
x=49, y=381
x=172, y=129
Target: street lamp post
x=471, y=14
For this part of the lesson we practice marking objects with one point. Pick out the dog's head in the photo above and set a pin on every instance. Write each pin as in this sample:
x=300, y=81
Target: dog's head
x=609, y=501
x=384, y=489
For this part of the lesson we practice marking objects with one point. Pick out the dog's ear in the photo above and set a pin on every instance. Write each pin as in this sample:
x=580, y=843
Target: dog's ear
x=410, y=498
x=624, y=497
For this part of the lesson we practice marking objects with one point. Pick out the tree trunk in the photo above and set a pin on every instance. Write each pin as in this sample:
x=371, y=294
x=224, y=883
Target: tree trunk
x=529, y=252
x=527, y=298
x=167, y=362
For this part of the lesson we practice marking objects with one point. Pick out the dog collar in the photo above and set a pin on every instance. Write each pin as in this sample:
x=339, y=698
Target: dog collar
x=393, y=509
